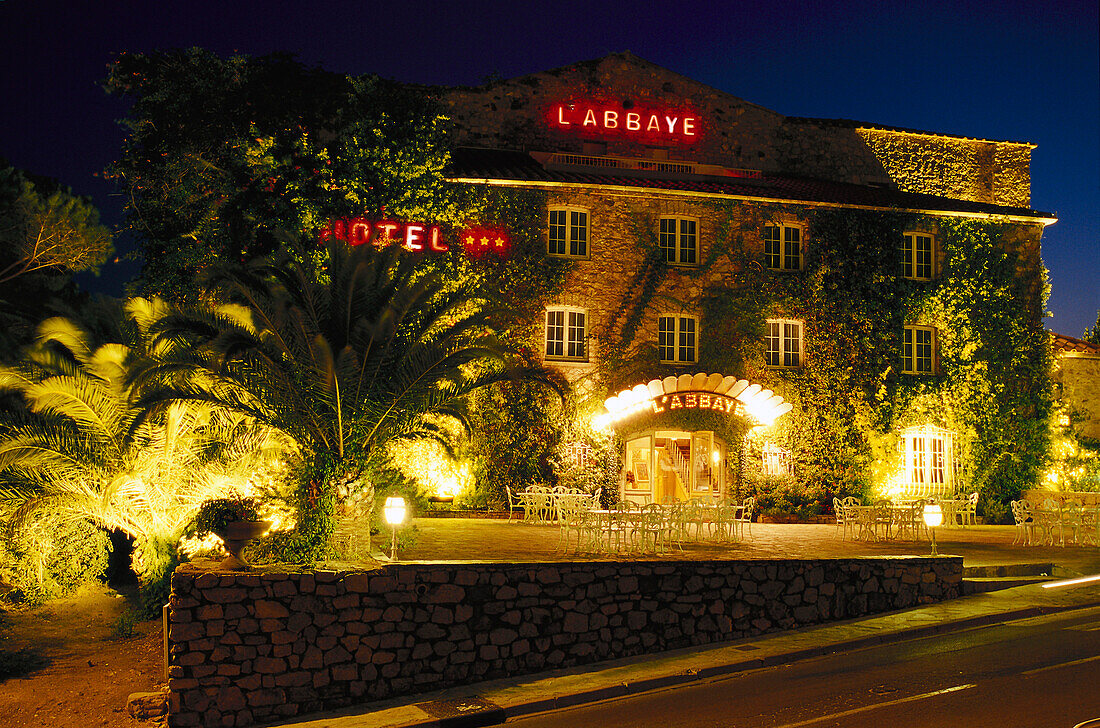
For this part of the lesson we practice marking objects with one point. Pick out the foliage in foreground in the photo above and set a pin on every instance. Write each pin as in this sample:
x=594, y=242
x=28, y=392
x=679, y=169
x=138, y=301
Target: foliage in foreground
x=344, y=362
x=79, y=448
x=51, y=556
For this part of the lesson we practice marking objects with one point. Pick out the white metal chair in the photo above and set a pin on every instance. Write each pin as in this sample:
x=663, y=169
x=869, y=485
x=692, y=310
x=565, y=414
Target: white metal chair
x=846, y=519
x=968, y=512
x=726, y=522
x=883, y=518
x=744, y=518
x=514, y=501
x=1025, y=523
x=651, y=528
x=1089, y=528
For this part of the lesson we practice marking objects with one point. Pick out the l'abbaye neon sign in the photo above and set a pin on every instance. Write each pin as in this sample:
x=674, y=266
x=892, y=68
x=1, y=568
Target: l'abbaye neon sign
x=696, y=400
x=414, y=236
x=625, y=120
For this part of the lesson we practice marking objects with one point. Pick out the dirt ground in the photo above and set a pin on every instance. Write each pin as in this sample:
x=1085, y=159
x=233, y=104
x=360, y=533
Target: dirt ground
x=90, y=673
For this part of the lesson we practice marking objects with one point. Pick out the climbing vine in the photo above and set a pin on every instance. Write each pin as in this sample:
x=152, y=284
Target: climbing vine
x=850, y=395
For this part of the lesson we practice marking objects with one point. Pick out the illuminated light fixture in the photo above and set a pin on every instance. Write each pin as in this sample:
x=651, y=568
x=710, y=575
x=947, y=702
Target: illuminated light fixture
x=394, y=511
x=933, y=518
x=1071, y=582
x=600, y=422
x=701, y=391
x=716, y=457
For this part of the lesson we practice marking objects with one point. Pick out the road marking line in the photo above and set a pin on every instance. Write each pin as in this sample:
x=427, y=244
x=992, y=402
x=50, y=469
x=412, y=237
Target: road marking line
x=1061, y=664
x=876, y=706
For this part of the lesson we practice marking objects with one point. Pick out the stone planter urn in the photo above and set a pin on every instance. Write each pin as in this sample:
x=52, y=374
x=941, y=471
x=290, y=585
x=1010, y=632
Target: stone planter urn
x=236, y=536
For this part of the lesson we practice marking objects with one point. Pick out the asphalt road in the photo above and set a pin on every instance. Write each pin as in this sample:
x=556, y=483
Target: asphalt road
x=1042, y=672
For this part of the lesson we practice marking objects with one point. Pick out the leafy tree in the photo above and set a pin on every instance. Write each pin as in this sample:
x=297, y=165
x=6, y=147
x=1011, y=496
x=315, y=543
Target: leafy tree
x=79, y=449
x=231, y=159
x=45, y=227
x=1093, y=335
x=516, y=436
x=344, y=361
x=46, y=235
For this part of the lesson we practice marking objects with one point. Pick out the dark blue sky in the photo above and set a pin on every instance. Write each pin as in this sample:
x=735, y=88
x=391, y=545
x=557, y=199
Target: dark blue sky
x=996, y=70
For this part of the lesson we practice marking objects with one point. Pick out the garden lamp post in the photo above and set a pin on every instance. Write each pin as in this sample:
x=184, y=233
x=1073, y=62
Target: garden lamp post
x=933, y=517
x=394, y=511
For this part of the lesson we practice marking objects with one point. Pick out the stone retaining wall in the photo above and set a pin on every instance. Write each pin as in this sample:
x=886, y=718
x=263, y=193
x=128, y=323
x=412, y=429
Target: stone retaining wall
x=253, y=647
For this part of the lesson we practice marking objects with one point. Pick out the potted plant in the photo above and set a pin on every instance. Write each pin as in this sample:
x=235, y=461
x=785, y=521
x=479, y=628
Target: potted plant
x=236, y=521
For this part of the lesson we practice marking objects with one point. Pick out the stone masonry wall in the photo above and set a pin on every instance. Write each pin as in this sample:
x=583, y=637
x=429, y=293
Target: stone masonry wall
x=254, y=647
x=515, y=113
x=962, y=169
x=1079, y=378
x=623, y=227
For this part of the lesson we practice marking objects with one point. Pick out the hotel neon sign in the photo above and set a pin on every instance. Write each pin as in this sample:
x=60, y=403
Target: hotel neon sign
x=413, y=236
x=615, y=119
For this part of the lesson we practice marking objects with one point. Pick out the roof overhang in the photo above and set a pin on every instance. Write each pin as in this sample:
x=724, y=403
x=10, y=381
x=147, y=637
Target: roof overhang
x=1039, y=218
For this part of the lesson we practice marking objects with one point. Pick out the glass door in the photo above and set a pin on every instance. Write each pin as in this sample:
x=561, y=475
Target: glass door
x=639, y=470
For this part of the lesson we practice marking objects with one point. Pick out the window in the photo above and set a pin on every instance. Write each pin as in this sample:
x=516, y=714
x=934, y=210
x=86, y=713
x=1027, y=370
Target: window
x=918, y=256
x=918, y=350
x=568, y=232
x=776, y=460
x=577, y=454
x=676, y=338
x=566, y=334
x=783, y=247
x=679, y=240
x=784, y=343
x=928, y=461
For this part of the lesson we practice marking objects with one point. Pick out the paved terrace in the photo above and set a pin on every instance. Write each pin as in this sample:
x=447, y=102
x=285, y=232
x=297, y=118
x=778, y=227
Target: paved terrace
x=483, y=539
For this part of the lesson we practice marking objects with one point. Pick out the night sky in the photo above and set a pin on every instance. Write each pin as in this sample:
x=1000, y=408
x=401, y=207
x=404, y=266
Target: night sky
x=1021, y=71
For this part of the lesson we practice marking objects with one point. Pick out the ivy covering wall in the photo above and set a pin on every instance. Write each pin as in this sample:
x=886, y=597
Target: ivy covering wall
x=850, y=397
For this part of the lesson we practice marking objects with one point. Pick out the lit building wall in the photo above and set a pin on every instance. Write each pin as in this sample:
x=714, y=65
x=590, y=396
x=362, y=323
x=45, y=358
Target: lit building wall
x=733, y=170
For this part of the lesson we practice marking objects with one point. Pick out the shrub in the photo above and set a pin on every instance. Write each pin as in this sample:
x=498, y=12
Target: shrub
x=780, y=495
x=216, y=513
x=124, y=626
x=50, y=557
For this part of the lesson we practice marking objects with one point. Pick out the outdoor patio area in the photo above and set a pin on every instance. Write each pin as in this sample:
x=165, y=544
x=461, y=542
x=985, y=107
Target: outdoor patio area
x=497, y=540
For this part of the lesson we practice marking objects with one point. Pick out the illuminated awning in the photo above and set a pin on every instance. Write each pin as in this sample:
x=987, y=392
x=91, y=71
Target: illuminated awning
x=701, y=391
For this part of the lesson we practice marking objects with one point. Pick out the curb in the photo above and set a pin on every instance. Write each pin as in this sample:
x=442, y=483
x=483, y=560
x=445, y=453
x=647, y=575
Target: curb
x=497, y=715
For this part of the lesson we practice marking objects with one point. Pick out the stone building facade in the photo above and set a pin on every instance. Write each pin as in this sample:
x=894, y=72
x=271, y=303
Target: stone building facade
x=1077, y=384
x=664, y=193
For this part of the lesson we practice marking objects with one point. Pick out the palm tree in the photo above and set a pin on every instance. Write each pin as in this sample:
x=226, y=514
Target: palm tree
x=344, y=360
x=79, y=447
